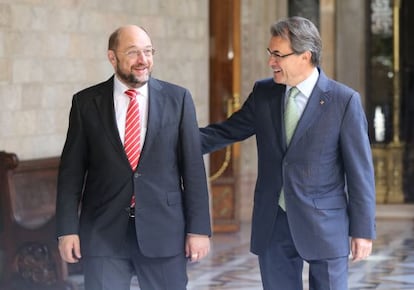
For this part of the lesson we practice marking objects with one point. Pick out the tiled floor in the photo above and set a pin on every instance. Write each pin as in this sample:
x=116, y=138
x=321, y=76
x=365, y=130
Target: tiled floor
x=230, y=266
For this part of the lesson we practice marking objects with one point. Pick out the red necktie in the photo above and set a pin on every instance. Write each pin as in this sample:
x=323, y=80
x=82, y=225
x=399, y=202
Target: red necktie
x=132, y=141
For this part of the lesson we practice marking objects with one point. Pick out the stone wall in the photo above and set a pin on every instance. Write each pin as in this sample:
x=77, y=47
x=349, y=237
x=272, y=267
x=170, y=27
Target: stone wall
x=49, y=49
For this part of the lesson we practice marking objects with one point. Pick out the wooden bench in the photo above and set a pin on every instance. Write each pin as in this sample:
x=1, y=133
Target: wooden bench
x=29, y=257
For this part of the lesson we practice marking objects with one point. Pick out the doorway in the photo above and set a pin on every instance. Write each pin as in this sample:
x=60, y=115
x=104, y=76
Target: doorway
x=224, y=94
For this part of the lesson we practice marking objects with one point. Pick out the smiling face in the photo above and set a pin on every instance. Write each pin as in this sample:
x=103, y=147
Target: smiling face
x=132, y=59
x=291, y=69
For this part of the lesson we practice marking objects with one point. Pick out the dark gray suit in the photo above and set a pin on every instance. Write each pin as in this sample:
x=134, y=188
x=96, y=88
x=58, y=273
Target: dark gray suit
x=169, y=183
x=326, y=172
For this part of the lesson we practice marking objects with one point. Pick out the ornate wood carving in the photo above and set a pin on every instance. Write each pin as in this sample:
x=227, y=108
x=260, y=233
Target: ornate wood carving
x=28, y=246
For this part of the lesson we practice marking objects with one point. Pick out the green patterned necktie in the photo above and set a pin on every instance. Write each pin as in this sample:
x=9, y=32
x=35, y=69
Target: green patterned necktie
x=291, y=114
x=291, y=120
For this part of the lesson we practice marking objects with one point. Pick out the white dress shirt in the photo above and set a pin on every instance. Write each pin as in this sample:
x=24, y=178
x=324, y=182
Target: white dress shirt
x=121, y=101
x=305, y=90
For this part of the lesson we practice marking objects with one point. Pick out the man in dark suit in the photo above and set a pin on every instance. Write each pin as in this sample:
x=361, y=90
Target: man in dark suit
x=315, y=184
x=147, y=220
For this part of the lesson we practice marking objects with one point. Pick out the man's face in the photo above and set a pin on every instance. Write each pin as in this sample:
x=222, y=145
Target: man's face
x=133, y=58
x=288, y=68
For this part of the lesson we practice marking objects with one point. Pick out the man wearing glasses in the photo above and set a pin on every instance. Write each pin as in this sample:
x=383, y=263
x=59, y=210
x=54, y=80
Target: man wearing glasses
x=314, y=198
x=132, y=163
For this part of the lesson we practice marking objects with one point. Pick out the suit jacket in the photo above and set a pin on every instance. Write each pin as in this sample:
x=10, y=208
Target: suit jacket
x=327, y=171
x=169, y=183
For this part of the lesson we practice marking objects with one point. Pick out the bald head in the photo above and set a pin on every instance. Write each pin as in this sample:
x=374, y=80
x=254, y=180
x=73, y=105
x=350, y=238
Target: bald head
x=124, y=33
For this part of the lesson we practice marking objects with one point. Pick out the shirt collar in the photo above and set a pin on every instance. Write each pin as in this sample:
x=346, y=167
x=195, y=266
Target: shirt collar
x=120, y=88
x=306, y=87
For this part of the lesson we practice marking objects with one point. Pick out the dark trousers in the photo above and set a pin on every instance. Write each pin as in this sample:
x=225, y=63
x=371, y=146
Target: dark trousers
x=281, y=265
x=109, y=273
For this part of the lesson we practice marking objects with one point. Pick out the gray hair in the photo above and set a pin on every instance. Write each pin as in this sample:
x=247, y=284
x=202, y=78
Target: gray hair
x=302, y=34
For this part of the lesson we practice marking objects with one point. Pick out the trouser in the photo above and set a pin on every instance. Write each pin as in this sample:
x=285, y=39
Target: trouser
x=281, y=265
x=109, y=273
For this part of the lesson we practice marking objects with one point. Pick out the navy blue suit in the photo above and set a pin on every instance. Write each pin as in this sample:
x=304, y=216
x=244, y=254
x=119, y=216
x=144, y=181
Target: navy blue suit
x=326, y=172
x=169, y=183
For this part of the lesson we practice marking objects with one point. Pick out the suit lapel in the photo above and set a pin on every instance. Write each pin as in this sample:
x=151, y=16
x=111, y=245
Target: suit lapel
x=104, y=101
x=276, y=108
x=156, y=105
x=317, y=103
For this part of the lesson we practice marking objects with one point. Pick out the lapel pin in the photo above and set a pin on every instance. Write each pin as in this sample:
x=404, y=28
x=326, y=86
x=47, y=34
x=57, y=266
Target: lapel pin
x=321, y=102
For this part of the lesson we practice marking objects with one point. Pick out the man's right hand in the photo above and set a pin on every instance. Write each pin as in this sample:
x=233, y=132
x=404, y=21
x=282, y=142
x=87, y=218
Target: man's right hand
x=69, y=248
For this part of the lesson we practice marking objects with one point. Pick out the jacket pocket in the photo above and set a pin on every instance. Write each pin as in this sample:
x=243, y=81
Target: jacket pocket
x=174, y=198
x=330, y=202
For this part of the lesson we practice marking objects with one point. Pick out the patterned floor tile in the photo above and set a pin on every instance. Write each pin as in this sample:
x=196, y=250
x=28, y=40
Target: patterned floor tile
x=230, y=265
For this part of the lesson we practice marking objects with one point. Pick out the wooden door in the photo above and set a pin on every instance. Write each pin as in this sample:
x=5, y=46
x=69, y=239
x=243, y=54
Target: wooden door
x=224, y=99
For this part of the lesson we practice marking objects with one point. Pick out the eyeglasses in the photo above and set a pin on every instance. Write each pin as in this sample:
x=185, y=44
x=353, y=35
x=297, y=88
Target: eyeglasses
x=135, y=53
x=278, y=56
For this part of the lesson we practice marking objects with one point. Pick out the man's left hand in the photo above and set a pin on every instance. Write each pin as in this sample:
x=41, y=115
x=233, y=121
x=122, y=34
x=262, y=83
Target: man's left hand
x=196, y=247
x=360, y=249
